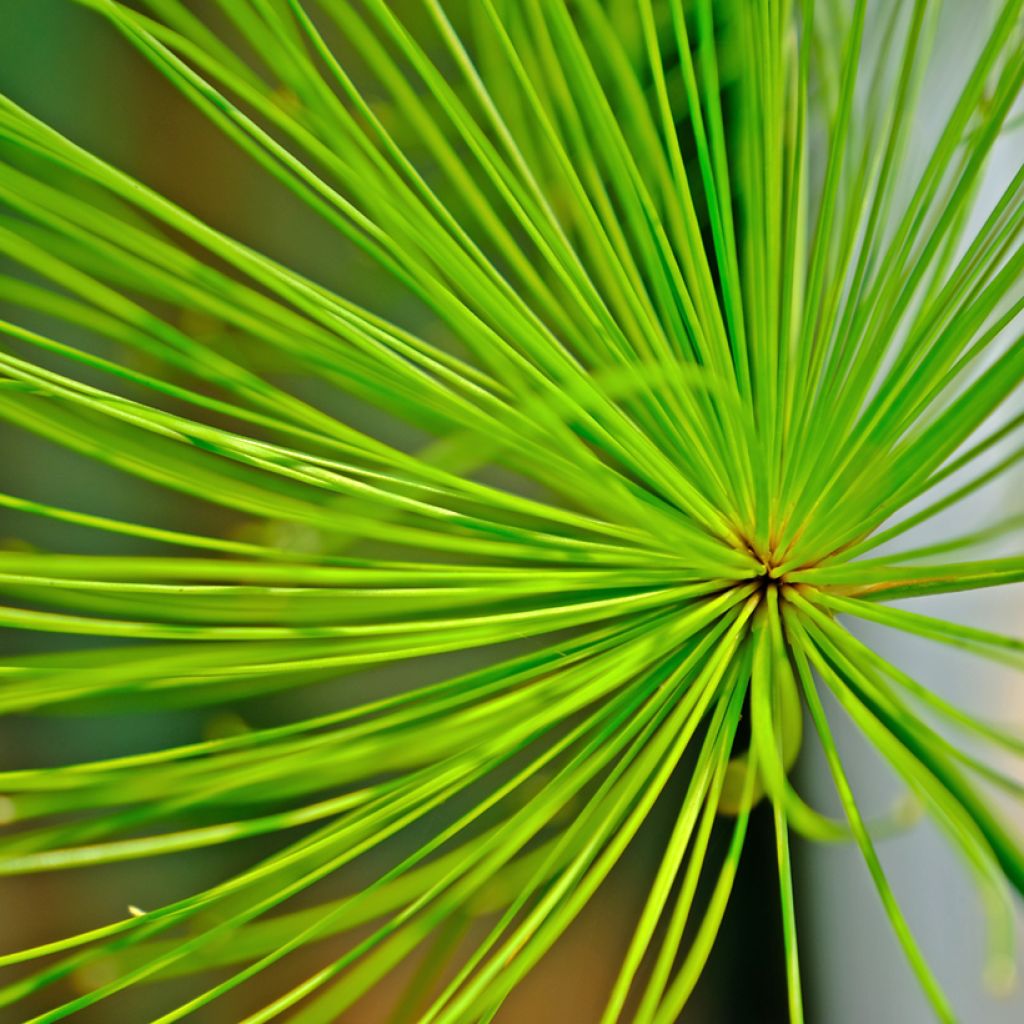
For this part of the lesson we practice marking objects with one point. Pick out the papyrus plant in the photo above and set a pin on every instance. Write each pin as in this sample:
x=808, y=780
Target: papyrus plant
x=703, y=325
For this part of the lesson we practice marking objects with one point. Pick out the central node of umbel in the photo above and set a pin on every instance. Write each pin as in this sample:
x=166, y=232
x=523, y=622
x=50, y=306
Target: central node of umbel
x=769, y=560
x=769, y=578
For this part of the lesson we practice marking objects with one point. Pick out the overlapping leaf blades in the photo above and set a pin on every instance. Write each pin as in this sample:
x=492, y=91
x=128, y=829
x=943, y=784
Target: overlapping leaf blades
x=716, y=374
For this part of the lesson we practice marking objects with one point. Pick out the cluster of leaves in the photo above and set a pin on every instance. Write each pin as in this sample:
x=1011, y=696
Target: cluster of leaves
x=702, y=340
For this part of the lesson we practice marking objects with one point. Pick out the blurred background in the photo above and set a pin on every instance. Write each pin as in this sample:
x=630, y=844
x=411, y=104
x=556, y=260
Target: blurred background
x=70, y=69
